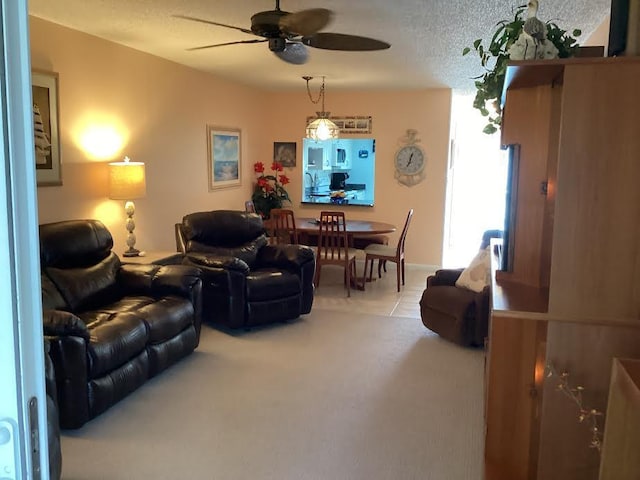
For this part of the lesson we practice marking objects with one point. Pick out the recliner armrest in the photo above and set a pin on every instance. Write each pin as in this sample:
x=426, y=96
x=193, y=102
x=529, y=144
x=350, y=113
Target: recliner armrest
x=289, y=257
x=444, y=277
x=208, y=260
x=58, y=323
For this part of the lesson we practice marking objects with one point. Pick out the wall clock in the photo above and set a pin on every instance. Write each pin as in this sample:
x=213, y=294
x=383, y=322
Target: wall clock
x=410, y=160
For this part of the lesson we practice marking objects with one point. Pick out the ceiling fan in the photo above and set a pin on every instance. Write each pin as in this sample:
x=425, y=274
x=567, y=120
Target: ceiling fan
x=288, y=34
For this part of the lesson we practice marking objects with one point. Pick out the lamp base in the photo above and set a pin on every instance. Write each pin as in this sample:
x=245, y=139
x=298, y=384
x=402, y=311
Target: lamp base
x=132, y=252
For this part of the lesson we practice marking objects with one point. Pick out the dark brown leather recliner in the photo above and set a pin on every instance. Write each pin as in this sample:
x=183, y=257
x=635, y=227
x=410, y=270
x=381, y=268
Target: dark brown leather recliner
x=457, y=314
x=110, y=326
x=246, y=282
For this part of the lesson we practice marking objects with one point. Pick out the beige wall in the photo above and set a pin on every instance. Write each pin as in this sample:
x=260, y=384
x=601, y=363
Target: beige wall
x=162, y=110
x=393, y=112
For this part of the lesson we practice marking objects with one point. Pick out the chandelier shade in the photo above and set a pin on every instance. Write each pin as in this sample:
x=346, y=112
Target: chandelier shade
x=320, y=128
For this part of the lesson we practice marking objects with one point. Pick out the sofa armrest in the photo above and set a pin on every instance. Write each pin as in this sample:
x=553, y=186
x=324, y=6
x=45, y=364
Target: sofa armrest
x=175, y=280
x=444, y=277
x=58, y=323
x=69, y=356
x=289, y=257
x=157, y=280
x=182, y=280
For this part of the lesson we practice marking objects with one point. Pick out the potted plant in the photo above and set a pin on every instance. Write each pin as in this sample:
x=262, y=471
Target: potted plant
x=269, y=191
x=511, y=42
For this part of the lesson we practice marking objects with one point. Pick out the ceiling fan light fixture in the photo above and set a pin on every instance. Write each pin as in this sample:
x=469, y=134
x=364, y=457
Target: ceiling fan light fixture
x=322, y=128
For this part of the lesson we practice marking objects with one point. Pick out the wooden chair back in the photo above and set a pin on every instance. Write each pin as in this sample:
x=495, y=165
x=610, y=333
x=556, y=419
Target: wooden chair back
x=333, y=247
x=403, y=235
x=386, y=254
x=283, y=227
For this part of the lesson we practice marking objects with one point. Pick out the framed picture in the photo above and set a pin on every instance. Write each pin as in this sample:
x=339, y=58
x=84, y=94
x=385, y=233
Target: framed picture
x=350, y=125
x=225, y=160
x=285, y=153
x=44, y=90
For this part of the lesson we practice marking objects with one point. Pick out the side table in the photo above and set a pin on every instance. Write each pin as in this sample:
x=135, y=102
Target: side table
x=155, y=257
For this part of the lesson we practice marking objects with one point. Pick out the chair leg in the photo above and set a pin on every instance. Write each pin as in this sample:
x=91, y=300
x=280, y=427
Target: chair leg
x=384, y=265
x=367, y=260
x=380, y=263
x=403, y=271
x=347, y=272
x=317, y=276
x=364, y=275
x=398, y=268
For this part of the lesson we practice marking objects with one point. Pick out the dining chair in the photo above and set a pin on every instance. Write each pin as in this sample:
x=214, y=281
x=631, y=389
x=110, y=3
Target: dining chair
x=386, y=253
x=282, y=228
x=249, y=206
x=333, y=247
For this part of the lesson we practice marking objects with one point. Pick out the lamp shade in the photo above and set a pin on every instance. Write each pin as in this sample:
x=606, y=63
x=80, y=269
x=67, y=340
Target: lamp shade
x=322, y=129
x=127, y=180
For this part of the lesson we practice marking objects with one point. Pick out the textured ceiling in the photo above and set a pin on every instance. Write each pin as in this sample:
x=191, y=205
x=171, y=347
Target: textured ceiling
x=426, y=36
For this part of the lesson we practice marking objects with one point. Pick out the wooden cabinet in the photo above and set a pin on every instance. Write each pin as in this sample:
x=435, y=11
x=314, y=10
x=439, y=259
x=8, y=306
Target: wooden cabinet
x=572, y=298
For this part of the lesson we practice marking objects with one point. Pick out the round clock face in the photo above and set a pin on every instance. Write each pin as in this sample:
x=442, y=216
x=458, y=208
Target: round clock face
x=410, y=160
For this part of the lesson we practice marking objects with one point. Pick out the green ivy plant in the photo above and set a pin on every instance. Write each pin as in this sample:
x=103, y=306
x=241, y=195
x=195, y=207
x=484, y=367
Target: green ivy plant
x=494, y=59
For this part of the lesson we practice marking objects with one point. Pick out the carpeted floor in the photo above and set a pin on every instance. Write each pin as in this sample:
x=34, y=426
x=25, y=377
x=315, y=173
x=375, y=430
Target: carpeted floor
x=330, y=396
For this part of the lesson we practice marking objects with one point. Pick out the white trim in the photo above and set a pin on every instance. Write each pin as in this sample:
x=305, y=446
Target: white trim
x=22, y=364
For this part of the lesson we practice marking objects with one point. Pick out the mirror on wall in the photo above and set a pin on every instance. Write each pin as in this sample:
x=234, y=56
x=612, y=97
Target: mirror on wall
x=339, y=171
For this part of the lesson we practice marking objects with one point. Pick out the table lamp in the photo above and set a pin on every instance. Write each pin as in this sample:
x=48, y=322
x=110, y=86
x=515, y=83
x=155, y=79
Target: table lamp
x=127, y=182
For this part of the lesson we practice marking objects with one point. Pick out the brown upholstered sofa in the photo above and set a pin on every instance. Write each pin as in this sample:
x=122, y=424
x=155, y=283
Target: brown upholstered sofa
x=110, y=326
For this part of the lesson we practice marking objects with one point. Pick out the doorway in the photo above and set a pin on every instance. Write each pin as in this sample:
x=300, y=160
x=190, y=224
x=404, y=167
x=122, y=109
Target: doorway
x=476, y=184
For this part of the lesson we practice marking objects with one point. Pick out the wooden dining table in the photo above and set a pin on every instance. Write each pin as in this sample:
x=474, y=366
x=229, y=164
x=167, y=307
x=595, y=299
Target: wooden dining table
x=307, y=226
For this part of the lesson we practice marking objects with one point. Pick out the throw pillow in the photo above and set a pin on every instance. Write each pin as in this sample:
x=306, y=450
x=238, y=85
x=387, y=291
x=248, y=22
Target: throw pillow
x=478, y=274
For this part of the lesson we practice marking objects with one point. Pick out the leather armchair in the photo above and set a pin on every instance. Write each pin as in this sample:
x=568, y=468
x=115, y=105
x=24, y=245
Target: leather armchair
x=246, y=281
x=110, y=326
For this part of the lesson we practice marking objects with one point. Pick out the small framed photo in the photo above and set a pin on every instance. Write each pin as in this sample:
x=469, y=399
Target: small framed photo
x=285, y=153
x=224, y=156
x=44, y=91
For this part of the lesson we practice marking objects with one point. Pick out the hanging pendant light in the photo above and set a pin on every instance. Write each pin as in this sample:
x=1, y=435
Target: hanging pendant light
x=321, y=128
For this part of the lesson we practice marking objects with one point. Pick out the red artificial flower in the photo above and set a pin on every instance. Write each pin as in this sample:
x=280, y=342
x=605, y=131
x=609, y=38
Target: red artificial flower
x=277, y=167
x=263, y=182
x=258, y=167
x=284, y=179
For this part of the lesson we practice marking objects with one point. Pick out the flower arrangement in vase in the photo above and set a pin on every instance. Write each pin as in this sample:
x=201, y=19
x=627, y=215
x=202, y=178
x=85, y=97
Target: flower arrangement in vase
x=269, y=191
x=518, y=39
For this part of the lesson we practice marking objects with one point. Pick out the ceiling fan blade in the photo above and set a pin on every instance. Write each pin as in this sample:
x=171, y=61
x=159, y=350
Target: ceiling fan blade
x=294, y=53
x=306, y=22
x=341, y=41
x=209, y=22
x=227, y=43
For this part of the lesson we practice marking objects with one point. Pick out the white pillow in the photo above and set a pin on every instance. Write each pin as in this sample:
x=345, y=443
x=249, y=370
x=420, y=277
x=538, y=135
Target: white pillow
x=478, y=274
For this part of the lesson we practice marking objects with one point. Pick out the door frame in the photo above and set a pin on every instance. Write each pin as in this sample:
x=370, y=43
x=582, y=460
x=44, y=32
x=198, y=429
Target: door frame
x=21, y=336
